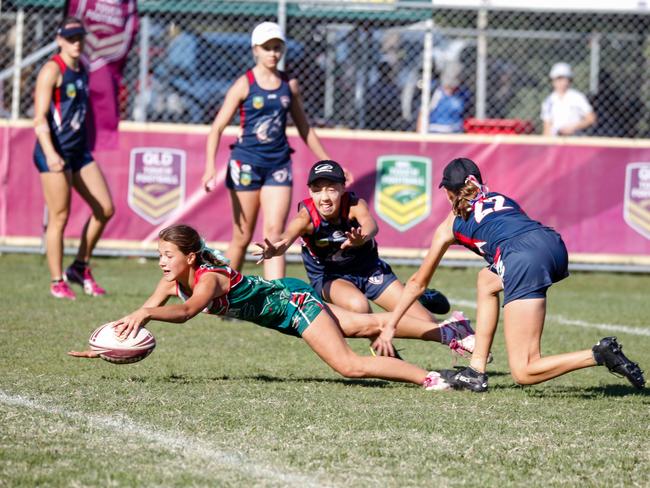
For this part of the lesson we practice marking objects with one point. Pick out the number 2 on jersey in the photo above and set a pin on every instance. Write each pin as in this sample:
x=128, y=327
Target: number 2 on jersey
x=480, y=212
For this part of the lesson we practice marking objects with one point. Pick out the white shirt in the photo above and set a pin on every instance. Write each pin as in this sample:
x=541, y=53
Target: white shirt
x=565, y=110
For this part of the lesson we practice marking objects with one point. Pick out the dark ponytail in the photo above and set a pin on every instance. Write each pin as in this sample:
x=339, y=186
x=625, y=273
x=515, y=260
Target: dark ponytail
x=188, y=240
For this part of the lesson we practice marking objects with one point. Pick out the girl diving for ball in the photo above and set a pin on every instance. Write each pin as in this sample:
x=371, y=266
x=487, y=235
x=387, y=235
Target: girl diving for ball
x=204, y=281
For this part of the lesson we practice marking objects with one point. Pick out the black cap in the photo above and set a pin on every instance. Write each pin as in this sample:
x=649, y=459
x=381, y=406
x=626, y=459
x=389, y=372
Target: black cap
x=75, y=30
x=455, y=173
x=326, y=170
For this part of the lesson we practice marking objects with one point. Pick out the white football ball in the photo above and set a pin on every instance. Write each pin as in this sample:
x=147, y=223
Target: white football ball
x=105, y=341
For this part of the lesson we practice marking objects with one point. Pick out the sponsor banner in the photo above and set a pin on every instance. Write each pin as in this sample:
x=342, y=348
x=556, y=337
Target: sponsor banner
x=156, y=182
x=597, y=197
x=111, y=26
x=403, y=190
x=637, y=197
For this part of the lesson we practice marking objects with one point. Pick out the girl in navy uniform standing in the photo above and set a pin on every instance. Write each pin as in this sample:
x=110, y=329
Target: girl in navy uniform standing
x=524, y=259
x=259, y=172
x=63, y=160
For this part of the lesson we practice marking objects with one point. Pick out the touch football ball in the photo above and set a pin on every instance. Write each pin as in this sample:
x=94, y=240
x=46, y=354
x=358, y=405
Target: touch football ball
x=104, y=340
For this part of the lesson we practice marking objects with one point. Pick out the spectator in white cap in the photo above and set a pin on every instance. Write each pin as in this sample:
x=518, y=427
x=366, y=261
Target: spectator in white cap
x=259, y=174
x=566, y=111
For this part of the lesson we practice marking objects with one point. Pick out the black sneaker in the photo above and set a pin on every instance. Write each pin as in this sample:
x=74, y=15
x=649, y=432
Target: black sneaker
x=609, y=352
x=435, y=302
x=466, y=378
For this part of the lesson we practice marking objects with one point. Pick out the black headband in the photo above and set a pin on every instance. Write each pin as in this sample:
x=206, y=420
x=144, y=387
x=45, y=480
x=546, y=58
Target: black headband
x=77, y=30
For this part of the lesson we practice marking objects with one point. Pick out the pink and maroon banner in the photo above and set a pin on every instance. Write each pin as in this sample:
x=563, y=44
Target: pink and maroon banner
x=111, y=26
x=597, y=197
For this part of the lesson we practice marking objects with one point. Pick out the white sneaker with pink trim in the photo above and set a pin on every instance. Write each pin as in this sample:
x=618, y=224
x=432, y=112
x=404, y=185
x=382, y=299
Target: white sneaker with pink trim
x=434, y=381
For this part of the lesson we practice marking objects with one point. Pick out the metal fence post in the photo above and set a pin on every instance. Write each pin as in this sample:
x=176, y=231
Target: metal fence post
x=481, y=63
x=594, y=61
x=18, y=58
x=282, y=22
x=427, y=66
x=143, y=75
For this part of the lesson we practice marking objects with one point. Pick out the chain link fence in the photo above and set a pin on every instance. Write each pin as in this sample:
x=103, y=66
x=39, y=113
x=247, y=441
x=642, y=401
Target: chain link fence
x=361, y=65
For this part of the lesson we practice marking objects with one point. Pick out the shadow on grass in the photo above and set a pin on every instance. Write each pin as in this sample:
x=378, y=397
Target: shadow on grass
x=193, y=380
x=590, y=392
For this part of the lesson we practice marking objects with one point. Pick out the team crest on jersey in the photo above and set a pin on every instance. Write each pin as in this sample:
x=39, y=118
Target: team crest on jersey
x=636, y=210
x=70, y=90
x=258, y=102
x=156, y=182
x=403, y=190
x=281, y=175
x=285, y=101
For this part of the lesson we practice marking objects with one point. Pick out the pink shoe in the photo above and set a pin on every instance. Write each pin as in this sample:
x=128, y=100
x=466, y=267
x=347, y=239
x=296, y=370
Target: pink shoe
x=60, y=289
x=85, y=279
x=434, y=381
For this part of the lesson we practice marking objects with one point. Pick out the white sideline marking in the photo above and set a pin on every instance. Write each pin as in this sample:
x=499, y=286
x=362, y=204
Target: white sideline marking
x=189, y=447
x=626, y=329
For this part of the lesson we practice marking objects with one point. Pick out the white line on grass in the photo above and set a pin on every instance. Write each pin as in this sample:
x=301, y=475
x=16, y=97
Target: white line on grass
x=174, y=441
x=626, y=329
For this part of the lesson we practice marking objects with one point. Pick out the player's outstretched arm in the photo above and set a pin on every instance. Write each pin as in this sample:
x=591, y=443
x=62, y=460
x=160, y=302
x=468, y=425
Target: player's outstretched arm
x=367, y=229
x=415, y=286
x=236, y=94
x=298, y=226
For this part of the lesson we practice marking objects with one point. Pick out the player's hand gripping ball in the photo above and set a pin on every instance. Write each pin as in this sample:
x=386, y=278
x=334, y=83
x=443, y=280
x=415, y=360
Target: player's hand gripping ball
x=106, y=343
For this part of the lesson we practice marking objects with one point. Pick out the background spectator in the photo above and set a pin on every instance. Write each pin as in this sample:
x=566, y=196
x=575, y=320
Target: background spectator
x=449, y=103
x=566, y=111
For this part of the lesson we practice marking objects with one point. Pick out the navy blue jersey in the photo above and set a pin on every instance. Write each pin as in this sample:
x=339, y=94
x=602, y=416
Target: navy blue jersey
x=263, y=120
x=321, y=251
x=68, y=108
x=494, y=219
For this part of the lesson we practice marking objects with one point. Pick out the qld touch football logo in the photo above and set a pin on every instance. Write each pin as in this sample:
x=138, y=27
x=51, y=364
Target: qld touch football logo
x=636, y=210
x=156, y=182
x=403, y=190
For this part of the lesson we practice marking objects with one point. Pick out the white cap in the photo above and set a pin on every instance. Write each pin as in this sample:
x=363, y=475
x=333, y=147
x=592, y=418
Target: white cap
x=265, y=32
x=561, y=70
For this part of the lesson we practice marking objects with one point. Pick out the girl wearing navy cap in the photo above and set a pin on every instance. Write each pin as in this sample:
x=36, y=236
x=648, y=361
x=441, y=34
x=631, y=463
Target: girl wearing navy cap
x=64, y=161
x=259, y=171
x=341, y=258
x=524, y=259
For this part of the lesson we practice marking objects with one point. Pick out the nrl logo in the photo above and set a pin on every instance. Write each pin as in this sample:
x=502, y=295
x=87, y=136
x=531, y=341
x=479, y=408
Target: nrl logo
x=156, y=182
x=403, y=190
x=636, y=210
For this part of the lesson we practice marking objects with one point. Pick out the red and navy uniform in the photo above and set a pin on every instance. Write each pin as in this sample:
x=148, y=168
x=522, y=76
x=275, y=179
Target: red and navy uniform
x=325, y=261
x=527, y=255
x=261, y=155
x=66, y=119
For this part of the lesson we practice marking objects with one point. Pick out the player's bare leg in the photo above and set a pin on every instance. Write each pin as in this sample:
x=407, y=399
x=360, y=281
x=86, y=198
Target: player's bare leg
x=275, y=202
x=326, y=339
x=56, y=191
x=245, y=206
x=91, y=185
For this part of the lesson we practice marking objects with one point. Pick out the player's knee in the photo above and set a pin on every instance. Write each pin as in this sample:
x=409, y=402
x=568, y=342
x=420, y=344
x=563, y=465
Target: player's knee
x=521, y=376
x=105, y=213
x=350, y=367
x=242, y=239
x=58, y=219
x=358, y=304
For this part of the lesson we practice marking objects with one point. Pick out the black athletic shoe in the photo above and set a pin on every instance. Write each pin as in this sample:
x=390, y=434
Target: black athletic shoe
x=466, y=378
x=609, y=352
x=435, y=302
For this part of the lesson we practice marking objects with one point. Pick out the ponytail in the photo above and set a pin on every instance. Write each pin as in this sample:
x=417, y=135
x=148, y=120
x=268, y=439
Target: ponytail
x=188, y=240
x=467, y=195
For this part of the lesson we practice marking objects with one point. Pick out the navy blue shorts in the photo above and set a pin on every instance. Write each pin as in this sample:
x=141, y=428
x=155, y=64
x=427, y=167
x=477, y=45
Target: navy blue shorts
x=530, y=263
x=248, y=177
x=74, y=160
x=372, y=282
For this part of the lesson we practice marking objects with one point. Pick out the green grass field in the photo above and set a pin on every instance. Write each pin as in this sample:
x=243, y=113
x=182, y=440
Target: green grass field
x=232, y=404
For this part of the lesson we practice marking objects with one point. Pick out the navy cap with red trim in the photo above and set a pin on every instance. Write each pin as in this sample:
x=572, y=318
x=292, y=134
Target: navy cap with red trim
x=75, y=30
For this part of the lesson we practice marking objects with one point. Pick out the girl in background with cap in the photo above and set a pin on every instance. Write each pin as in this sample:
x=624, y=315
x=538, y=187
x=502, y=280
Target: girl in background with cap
x=524, y=259
x=64, y=161
x=566, y=111
x=340, y=255
x=204, y=281
x=259, y=171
